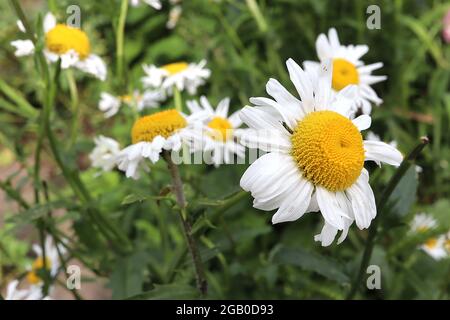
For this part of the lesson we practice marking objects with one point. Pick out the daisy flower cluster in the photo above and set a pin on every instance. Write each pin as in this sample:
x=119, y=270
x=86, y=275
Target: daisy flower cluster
x=315, y=152
x=436, y=247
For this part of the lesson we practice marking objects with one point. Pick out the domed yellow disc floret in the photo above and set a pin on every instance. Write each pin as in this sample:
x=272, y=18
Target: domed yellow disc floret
x=344, y=74
x=63, y=38
x=174, y=68
x=38, y=264
x=328, y=148
x=222, y=129
x=163, y=123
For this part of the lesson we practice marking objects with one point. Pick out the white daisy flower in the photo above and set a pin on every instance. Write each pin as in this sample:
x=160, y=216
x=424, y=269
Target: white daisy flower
x=221, y=130
x=348, y=69
x=31, y=293
x=103, y=156
x=316, y=154
x=174, y=16
x=110, y=104
x=435, y=248
x=182, y=75
x=69, y=44
x=156, y=4
x=52, y=262
x=422, y=222
x=167, y=130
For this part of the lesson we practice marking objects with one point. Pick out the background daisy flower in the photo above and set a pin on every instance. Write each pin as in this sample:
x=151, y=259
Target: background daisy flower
x=156, y=4
x=52, y=262
x=103, y=156
x=151, y=134
x=435, y=248
x=31, y=293
x=316, y=154
x=182, y=75
x=67, y=43
x=221, y=130
x=423, y=222
x=348, y=69
x=110, y=104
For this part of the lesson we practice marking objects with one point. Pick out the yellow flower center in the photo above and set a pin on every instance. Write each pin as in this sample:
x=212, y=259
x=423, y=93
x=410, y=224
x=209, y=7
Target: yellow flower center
x=128, y=98
x=447, y=245
x=222, y=129
x=163, y=123
x=63, y=38
x=344, y=74
x=38, y=264
x=174, y=68
x=431, y=243
x=328, y=148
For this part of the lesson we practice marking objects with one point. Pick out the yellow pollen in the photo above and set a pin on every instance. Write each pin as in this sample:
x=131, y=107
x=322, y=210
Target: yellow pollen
x=328, y=149
x=222, y=129
x=174, y=68
x=164, y=123
x=431, y=243
x=38, y=264
x=344, y=74
x=63, y=38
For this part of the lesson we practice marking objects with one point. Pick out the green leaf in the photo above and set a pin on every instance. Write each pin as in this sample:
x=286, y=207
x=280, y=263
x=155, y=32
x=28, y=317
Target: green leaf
x=404, y=194
x=128, y=275
x=312, y=262
x=169, y=291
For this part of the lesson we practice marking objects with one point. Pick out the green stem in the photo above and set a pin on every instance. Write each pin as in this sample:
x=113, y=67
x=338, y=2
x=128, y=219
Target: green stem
x=75, y=107
x=177, y=188
x=383, y=200
x=120, y=38
x=177, y=99
x=257, y=15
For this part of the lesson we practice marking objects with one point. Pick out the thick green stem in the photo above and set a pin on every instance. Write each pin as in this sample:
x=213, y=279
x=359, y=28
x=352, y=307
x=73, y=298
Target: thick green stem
x=383, y=200
x=257, y=15
x=120, y=39
x=177, y=187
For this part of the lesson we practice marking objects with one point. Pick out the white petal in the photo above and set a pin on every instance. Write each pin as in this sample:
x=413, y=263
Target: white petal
x=23, y=47
x=327, y=235
x=285, y=99
x=323, y=92
x=382, y=152
x=302, y=83
x=329, y=207
x=49, y=22
x=362, y=122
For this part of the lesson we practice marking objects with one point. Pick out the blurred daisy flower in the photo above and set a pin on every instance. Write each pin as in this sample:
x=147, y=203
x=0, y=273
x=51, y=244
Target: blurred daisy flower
x=52, y=263
x=220, y=131
x=103, y=156
x=156, y=4
x=151, y=134
x=31, y=293
x=174, y=16
x=67, y=43
x=316, y=154
x=348, y=69
x=435, y=248
x=423, y=222
x=182, y=75
x=110, y=104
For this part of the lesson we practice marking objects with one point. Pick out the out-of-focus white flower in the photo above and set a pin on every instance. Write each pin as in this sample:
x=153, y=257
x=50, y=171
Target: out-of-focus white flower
x=31, y=293
x=67, y=43
x=220, y=130
x=110, y=104
x=348, y=69
x=156, y=4
x=435, y=248
x=182, y=75
x=423, y=222
x=174, y=16
x=103, y=156
x=51, y=263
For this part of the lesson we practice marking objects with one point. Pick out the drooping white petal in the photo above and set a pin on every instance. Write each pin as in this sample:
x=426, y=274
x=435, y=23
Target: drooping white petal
x=382, y=152
x=363, y=122
x=329, y=207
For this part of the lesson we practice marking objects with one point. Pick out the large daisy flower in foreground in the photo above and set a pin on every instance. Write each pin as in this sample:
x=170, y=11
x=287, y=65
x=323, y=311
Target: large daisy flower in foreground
x=165, y=130
x=52, y=262
x=67, y=43
x=316, y=154
x=221, y=131
x=182, y=75
x=348, y=69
